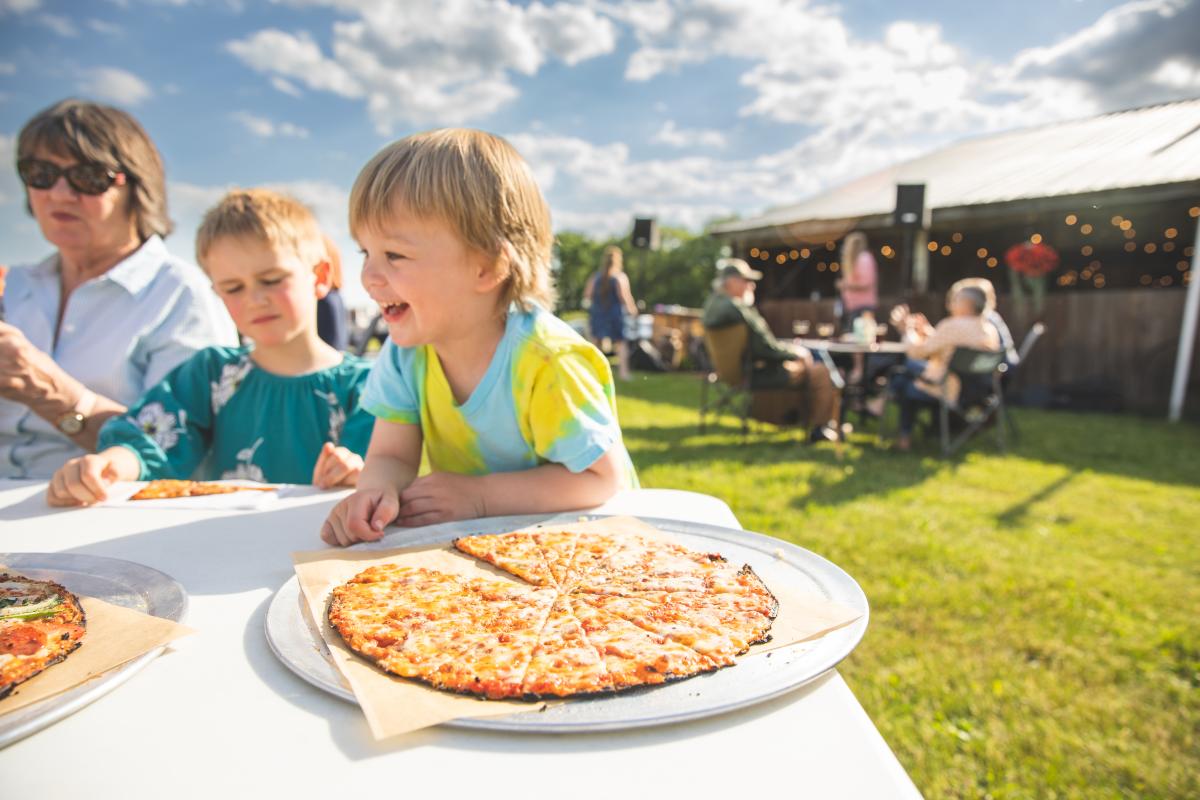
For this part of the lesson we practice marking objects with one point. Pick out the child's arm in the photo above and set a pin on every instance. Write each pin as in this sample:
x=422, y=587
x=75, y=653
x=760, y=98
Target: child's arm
x=85, y=480
x=393, y=458
x=446, y=496
x=336, y=466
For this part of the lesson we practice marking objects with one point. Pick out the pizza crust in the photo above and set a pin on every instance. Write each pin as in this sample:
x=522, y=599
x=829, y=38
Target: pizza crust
x=41, y=623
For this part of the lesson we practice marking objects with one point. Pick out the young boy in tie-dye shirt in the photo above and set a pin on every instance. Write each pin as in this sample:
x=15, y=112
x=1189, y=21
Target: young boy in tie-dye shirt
x=485, y=403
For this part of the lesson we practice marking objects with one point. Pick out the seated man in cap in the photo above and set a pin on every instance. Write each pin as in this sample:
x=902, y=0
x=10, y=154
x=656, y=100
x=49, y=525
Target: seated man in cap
x=775, y=364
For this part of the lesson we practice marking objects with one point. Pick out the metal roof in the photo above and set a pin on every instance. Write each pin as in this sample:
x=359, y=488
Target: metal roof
x=1141, y=147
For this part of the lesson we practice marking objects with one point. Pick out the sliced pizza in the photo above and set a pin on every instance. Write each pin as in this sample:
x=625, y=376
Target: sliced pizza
x=169, y=489
x=41, y=623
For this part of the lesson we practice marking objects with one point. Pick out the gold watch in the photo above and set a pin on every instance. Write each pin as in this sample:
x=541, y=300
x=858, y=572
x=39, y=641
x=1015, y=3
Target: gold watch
x=72, y=422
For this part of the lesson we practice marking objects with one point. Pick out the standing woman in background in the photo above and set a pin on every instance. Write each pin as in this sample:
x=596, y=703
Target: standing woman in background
x=111, y=311
x=332, y=325
x=859, y=286
x=609, y=300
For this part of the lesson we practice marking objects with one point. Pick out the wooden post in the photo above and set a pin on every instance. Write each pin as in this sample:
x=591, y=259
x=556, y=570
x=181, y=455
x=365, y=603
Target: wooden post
x=1187, y=333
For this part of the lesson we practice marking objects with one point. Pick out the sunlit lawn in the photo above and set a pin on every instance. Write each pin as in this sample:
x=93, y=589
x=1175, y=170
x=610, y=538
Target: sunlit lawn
x=1033, y=615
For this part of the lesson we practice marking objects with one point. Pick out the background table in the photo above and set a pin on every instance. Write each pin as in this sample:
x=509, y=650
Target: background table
x=219, y=716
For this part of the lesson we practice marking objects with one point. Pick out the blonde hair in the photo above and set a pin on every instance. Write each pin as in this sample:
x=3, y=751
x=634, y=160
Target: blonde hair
x=476, y=183
x=281, y=221
x=981, y=284
x=90, y=132
x=612, y=262
x=852, y=247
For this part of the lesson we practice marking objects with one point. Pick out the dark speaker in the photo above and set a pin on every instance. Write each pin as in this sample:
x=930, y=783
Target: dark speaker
x=910, y=204
x=645, y=233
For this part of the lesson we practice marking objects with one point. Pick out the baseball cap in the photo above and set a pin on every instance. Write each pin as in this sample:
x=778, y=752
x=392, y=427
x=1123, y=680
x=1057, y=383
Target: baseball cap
x=728, y=267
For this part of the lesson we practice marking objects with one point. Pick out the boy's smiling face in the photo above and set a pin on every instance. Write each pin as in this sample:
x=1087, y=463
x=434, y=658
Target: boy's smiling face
x=430, y=286
x=269, y=292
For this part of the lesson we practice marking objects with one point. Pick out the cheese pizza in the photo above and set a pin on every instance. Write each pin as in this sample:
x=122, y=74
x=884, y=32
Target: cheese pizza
x=596, y=613
x=167, y=489
x=41, y=623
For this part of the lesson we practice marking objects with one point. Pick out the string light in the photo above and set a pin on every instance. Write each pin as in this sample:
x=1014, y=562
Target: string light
x=1150, y=247
x=1036, y=238
x=956, y=237
x=1071, y=219
x=1086, y=250
x=1086, y=274
x=781, y=258
x=981, y=252
x=1116, y=220
x=1181, y=266
x=1094, y=266
x=1085, y=229
x=1194, y=212
x=793, y=255
x=887, y=251
x=946, y=250
x=1125, y=225
x=992, y=262
x=1166, y=280
x=1146, y=280
x=1168, y=247
x=1170, y=233
x=1098, y=281
x=1188, y=251
x=820, y=266
x=805, y=252
x=764, y=255
x=754, y=252
x=1130, y=233
x=1130, y=247
x=830, y=246
x=834, y=267
x=933, y=246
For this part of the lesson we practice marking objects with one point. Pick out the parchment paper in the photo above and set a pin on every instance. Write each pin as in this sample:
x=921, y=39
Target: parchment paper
x=394, y=706
x=114, y=636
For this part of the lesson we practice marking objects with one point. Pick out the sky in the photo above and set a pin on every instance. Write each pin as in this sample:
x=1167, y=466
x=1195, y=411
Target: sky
x=684, y=110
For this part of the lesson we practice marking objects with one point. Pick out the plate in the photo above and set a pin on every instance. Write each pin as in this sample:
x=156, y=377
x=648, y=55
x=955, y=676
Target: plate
x=113, y=580
x=754, y=679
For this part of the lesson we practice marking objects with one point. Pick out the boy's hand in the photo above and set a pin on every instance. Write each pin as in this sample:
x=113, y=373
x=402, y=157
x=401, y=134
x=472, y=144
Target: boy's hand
x=361, y=517
x=441, y=497
x=84, y=481
x=336, y=466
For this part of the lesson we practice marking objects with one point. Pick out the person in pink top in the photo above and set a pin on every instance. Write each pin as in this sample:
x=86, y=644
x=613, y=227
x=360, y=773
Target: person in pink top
x=859, y=286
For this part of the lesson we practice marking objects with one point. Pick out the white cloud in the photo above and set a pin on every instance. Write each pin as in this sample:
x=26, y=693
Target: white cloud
x=60, y=25
x=115, y=85
x=19, y=6
x=284, y=86
x=105, y=28
x=265, y=128
x=10, y=185
x=430, y=61
x=671, y=135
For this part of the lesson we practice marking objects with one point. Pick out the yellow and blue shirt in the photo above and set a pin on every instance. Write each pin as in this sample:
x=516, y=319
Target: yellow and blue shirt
x=547, y=397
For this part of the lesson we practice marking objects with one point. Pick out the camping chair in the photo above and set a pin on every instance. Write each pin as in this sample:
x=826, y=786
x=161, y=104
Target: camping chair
x=981, y=397
x=1031, y=338
x=729, y=379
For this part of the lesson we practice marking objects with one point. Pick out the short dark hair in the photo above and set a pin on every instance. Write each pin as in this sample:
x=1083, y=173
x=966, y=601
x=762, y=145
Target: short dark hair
x=91, y=132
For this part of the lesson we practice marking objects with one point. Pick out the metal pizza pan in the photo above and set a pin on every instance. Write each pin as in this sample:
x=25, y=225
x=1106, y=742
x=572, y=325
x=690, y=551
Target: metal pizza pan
x=754, y=679
x=113, y=580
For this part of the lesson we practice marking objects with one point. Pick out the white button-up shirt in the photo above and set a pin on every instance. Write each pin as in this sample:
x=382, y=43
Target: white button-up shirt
x=121, y=333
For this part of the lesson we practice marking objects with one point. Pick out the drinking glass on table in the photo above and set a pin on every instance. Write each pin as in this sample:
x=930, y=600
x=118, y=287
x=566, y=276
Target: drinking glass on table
x=826, y=329
x=801, y=327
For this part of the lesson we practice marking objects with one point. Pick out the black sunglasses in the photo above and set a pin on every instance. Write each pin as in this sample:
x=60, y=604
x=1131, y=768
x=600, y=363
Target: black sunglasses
x=90, y=178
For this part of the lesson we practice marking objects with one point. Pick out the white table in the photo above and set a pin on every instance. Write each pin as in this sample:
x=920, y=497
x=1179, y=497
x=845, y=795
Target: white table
x=219, y=716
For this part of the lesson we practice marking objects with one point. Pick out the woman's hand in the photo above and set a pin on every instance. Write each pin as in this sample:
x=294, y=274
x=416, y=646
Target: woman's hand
x=84, y=481
x=442, y=497
x=336, y=466
x=26, y=373
x=361, y=517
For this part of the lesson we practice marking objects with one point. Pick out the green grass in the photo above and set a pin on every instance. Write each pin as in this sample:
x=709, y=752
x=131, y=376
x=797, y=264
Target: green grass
x=1034, y=624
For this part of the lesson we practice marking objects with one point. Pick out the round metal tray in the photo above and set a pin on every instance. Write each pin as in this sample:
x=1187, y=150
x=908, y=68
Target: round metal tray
x=113, y=580
x=755, y=678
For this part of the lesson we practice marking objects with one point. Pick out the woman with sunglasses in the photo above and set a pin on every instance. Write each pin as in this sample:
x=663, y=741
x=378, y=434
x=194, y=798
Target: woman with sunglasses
x=111, y=312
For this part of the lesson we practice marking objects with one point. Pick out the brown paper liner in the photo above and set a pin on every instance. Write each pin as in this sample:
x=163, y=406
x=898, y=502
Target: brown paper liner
x=394, y=705
x=115, y=635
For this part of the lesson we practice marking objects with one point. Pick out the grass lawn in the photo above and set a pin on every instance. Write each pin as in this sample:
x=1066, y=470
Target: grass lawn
x=1033, y=615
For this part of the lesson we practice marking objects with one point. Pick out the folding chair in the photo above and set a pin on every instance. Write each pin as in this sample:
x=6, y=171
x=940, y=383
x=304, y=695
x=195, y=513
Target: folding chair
x=729, y=379
x=1031, y=338
x=981, y=396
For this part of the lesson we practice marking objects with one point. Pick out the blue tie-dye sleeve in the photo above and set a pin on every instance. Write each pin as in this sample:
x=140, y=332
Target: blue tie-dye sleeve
x=391, y=390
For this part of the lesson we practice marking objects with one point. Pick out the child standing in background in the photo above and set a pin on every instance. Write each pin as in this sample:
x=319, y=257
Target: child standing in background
x=513, y=411
x=285, y=409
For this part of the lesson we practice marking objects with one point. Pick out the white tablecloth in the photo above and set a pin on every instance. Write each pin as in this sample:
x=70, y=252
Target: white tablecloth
x=219, y=716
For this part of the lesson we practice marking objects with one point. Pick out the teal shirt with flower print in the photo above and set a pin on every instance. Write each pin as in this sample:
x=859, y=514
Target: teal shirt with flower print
x=222, y=414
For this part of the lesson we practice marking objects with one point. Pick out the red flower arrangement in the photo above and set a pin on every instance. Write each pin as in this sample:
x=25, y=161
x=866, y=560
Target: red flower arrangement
x=1034, y=260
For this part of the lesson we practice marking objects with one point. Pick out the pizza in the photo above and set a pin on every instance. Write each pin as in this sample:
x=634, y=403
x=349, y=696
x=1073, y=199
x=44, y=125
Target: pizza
x=41, y=623
x=169, y=489
x=595, y=613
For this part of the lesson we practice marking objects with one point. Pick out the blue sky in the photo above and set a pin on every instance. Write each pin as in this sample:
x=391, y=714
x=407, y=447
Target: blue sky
x=682, y=110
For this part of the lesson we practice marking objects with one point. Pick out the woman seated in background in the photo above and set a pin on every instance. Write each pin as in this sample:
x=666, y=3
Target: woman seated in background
x=930, y=349
x=1011, y=357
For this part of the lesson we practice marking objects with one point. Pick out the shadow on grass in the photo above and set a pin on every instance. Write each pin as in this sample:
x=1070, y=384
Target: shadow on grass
x=1015, y=515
